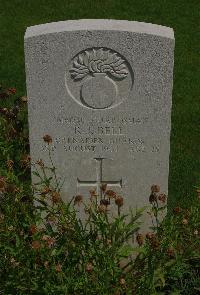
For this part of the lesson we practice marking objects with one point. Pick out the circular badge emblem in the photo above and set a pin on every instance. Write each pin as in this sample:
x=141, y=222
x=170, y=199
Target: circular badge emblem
x=99, y=78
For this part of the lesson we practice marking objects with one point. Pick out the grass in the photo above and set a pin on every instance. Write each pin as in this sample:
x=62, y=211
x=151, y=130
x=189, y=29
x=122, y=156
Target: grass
x=181, y=15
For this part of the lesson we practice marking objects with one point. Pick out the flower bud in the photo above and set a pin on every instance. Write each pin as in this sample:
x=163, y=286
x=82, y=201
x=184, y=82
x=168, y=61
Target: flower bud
x=140, y=239
x=119, y=201
x=152, y=198
x=162, y=198
x=184, y=221
x=36, y=245
x=55, y=197
x=33, y=229
x=111, y=194
x=24, y=98
x=177, y=210
x=102, y=209
x=10, y=164
x=46, y=264
x=104, y=202
x=170, y=252
x=122, y=282
x=89, y=267
x=2, y=183
x=78, y=199
x=47, y=138
x=58, y=267
x=40, y=163
x=155, y=188
x=11, y=90
x=93, y=193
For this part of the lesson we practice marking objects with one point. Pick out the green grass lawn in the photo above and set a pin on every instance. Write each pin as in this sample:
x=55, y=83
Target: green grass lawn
x=181, y=15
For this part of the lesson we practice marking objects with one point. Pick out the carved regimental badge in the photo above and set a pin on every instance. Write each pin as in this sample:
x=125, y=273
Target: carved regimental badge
x=99, y=78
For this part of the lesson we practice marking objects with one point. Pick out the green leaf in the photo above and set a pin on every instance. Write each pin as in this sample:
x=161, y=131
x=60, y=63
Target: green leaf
x=127, y=250
x=36, y=173
x=54, y=252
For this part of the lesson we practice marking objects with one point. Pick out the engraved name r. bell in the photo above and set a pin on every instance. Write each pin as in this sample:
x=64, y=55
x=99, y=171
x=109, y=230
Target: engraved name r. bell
x=99, y=130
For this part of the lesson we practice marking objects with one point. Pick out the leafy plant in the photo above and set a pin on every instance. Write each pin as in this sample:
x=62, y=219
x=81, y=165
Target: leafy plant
x=47, y=249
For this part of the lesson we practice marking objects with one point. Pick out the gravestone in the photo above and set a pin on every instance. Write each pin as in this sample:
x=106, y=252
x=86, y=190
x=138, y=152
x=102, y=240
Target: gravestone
x=102, y=89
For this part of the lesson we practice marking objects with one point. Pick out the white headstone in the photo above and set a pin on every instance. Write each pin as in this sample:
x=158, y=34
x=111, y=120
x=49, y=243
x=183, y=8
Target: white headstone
x=103, y=90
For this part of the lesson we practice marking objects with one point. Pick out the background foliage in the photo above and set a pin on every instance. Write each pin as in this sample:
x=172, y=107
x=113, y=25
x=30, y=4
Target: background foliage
x=33, y=259
x=181, y=15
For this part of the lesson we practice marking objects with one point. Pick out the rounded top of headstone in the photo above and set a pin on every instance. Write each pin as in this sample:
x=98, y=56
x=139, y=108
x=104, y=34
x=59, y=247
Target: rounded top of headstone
x=98, y=25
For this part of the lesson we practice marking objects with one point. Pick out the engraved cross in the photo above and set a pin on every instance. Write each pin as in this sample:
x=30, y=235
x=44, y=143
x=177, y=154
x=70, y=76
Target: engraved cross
x=99, y=179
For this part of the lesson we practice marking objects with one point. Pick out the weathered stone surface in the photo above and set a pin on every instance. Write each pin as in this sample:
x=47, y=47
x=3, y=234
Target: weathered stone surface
x=102, y=89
